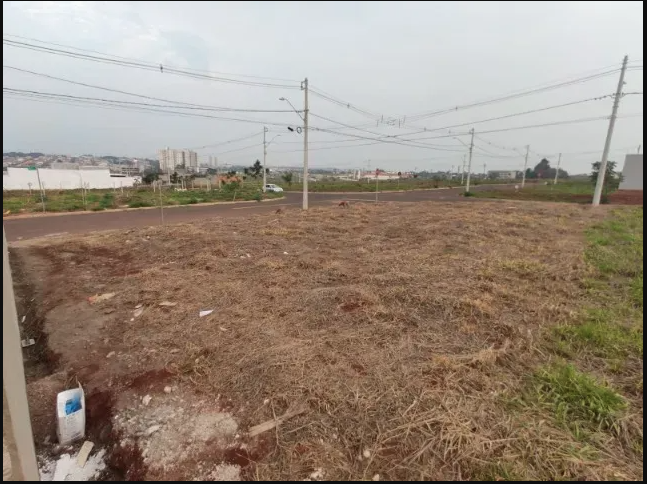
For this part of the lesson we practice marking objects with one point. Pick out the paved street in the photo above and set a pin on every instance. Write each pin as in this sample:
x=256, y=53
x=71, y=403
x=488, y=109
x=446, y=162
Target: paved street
x=40, y=226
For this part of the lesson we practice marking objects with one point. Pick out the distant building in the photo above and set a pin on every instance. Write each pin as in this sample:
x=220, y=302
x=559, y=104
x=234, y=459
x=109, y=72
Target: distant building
x=169, y=159
x=502, y=174
x=62, y=165
x=632, y=173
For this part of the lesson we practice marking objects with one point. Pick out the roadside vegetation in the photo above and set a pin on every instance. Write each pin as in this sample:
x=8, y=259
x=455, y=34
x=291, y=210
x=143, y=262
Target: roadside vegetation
x=383, y=185
x=21, y=201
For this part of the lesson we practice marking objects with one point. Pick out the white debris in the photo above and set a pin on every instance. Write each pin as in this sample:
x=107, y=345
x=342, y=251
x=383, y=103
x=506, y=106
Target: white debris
x=111, y=354
x=152, y=429
x=285, y=253
x=146, y=400
x=266, y=401
x=23, y=319
x=168, y=389
x=205, y=312
x=66, y=468
x=223, y=329
x=138, y=312
x=317, y=475
x=139, y=306
x=167, y=304
x=27, y=342
x=84, y=453
x=376, y=478
x=248, y=256
x=366, y=454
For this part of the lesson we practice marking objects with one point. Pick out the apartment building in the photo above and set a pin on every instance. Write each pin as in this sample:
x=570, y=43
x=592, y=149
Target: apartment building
x=169, y=159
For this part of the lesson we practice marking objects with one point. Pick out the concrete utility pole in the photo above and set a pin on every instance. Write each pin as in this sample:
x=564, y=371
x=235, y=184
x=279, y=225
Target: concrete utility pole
x=469, y=165
x=304, y=86
x=463, y=171
x=597, y=195
x=264, y=158
x=525, y=167
x=15, y=408
x=559, y=162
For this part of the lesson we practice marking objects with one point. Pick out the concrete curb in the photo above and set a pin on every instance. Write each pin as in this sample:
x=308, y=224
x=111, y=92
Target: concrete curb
x=113, y=210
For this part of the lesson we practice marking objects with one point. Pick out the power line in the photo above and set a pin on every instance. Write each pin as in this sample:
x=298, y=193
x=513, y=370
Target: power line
x=182, y=104
x=328, y=97
x=141, y=65
x=523, y=113
x=512, y=96
x=140, y=60
x=124, y=106
x=253, y=135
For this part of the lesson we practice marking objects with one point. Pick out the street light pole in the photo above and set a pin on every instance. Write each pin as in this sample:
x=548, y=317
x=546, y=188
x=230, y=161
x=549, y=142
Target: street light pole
x=305, y=146
x=264, y=159
x=469, y=166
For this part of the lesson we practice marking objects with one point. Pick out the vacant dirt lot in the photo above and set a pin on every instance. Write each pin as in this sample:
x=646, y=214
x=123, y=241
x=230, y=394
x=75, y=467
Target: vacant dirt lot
x=407, y=333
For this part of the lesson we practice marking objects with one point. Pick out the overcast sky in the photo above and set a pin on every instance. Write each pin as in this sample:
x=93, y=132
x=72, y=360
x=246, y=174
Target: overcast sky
x=390, y=59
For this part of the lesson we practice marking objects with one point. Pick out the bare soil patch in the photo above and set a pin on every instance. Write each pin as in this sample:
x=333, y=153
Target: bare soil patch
x=406, y=330
x=626, y=197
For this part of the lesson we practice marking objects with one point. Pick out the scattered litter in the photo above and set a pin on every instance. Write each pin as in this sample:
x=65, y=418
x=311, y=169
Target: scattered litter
x=167, y=304
x=168, y=389
x=84, y=453
x=139, y=306
x=70, y=410
x=67, y=468
x=99, y=298
x=205, y=312
x=174, y=351
x=23, y=319
x=151, y=430
x=270, y=424
x=223, y=329
x=111, y=354
x=249, y=256
x=146, y=400
x=285, y=253
x=376, y=478
x=28, y=342
x=367, y=454
x=138, y=312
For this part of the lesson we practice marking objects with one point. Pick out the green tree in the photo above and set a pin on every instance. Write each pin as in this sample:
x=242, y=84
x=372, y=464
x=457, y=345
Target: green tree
x=175, y=178
x=150, y=177
x=255, y=171
x=612, y=178
x=287, y=178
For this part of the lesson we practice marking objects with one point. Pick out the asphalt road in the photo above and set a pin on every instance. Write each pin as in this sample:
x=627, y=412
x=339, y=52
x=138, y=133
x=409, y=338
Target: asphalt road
x=59, y=224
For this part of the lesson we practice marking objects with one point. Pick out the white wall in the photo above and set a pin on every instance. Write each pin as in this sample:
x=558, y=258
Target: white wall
x=632, y=173
x=20, y=178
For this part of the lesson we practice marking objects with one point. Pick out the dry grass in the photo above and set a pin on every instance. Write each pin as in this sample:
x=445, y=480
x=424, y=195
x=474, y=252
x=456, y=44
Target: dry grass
x=408, y=330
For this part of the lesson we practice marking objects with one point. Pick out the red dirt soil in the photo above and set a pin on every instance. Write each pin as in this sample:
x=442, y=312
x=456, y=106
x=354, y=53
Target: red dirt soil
x=626, y=197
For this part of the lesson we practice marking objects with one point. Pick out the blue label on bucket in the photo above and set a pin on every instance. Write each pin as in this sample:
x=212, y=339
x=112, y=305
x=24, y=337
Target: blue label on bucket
x=73, y=405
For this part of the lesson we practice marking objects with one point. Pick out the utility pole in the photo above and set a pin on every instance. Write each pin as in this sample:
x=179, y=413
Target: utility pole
x=218, y=173
x=525, y=167
x=463, y=171
x=559, y=162
x=377, y=179
x=484, y=169
x=607, y=144
x=469, y=165
x=264, y=158
x=305, y=145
